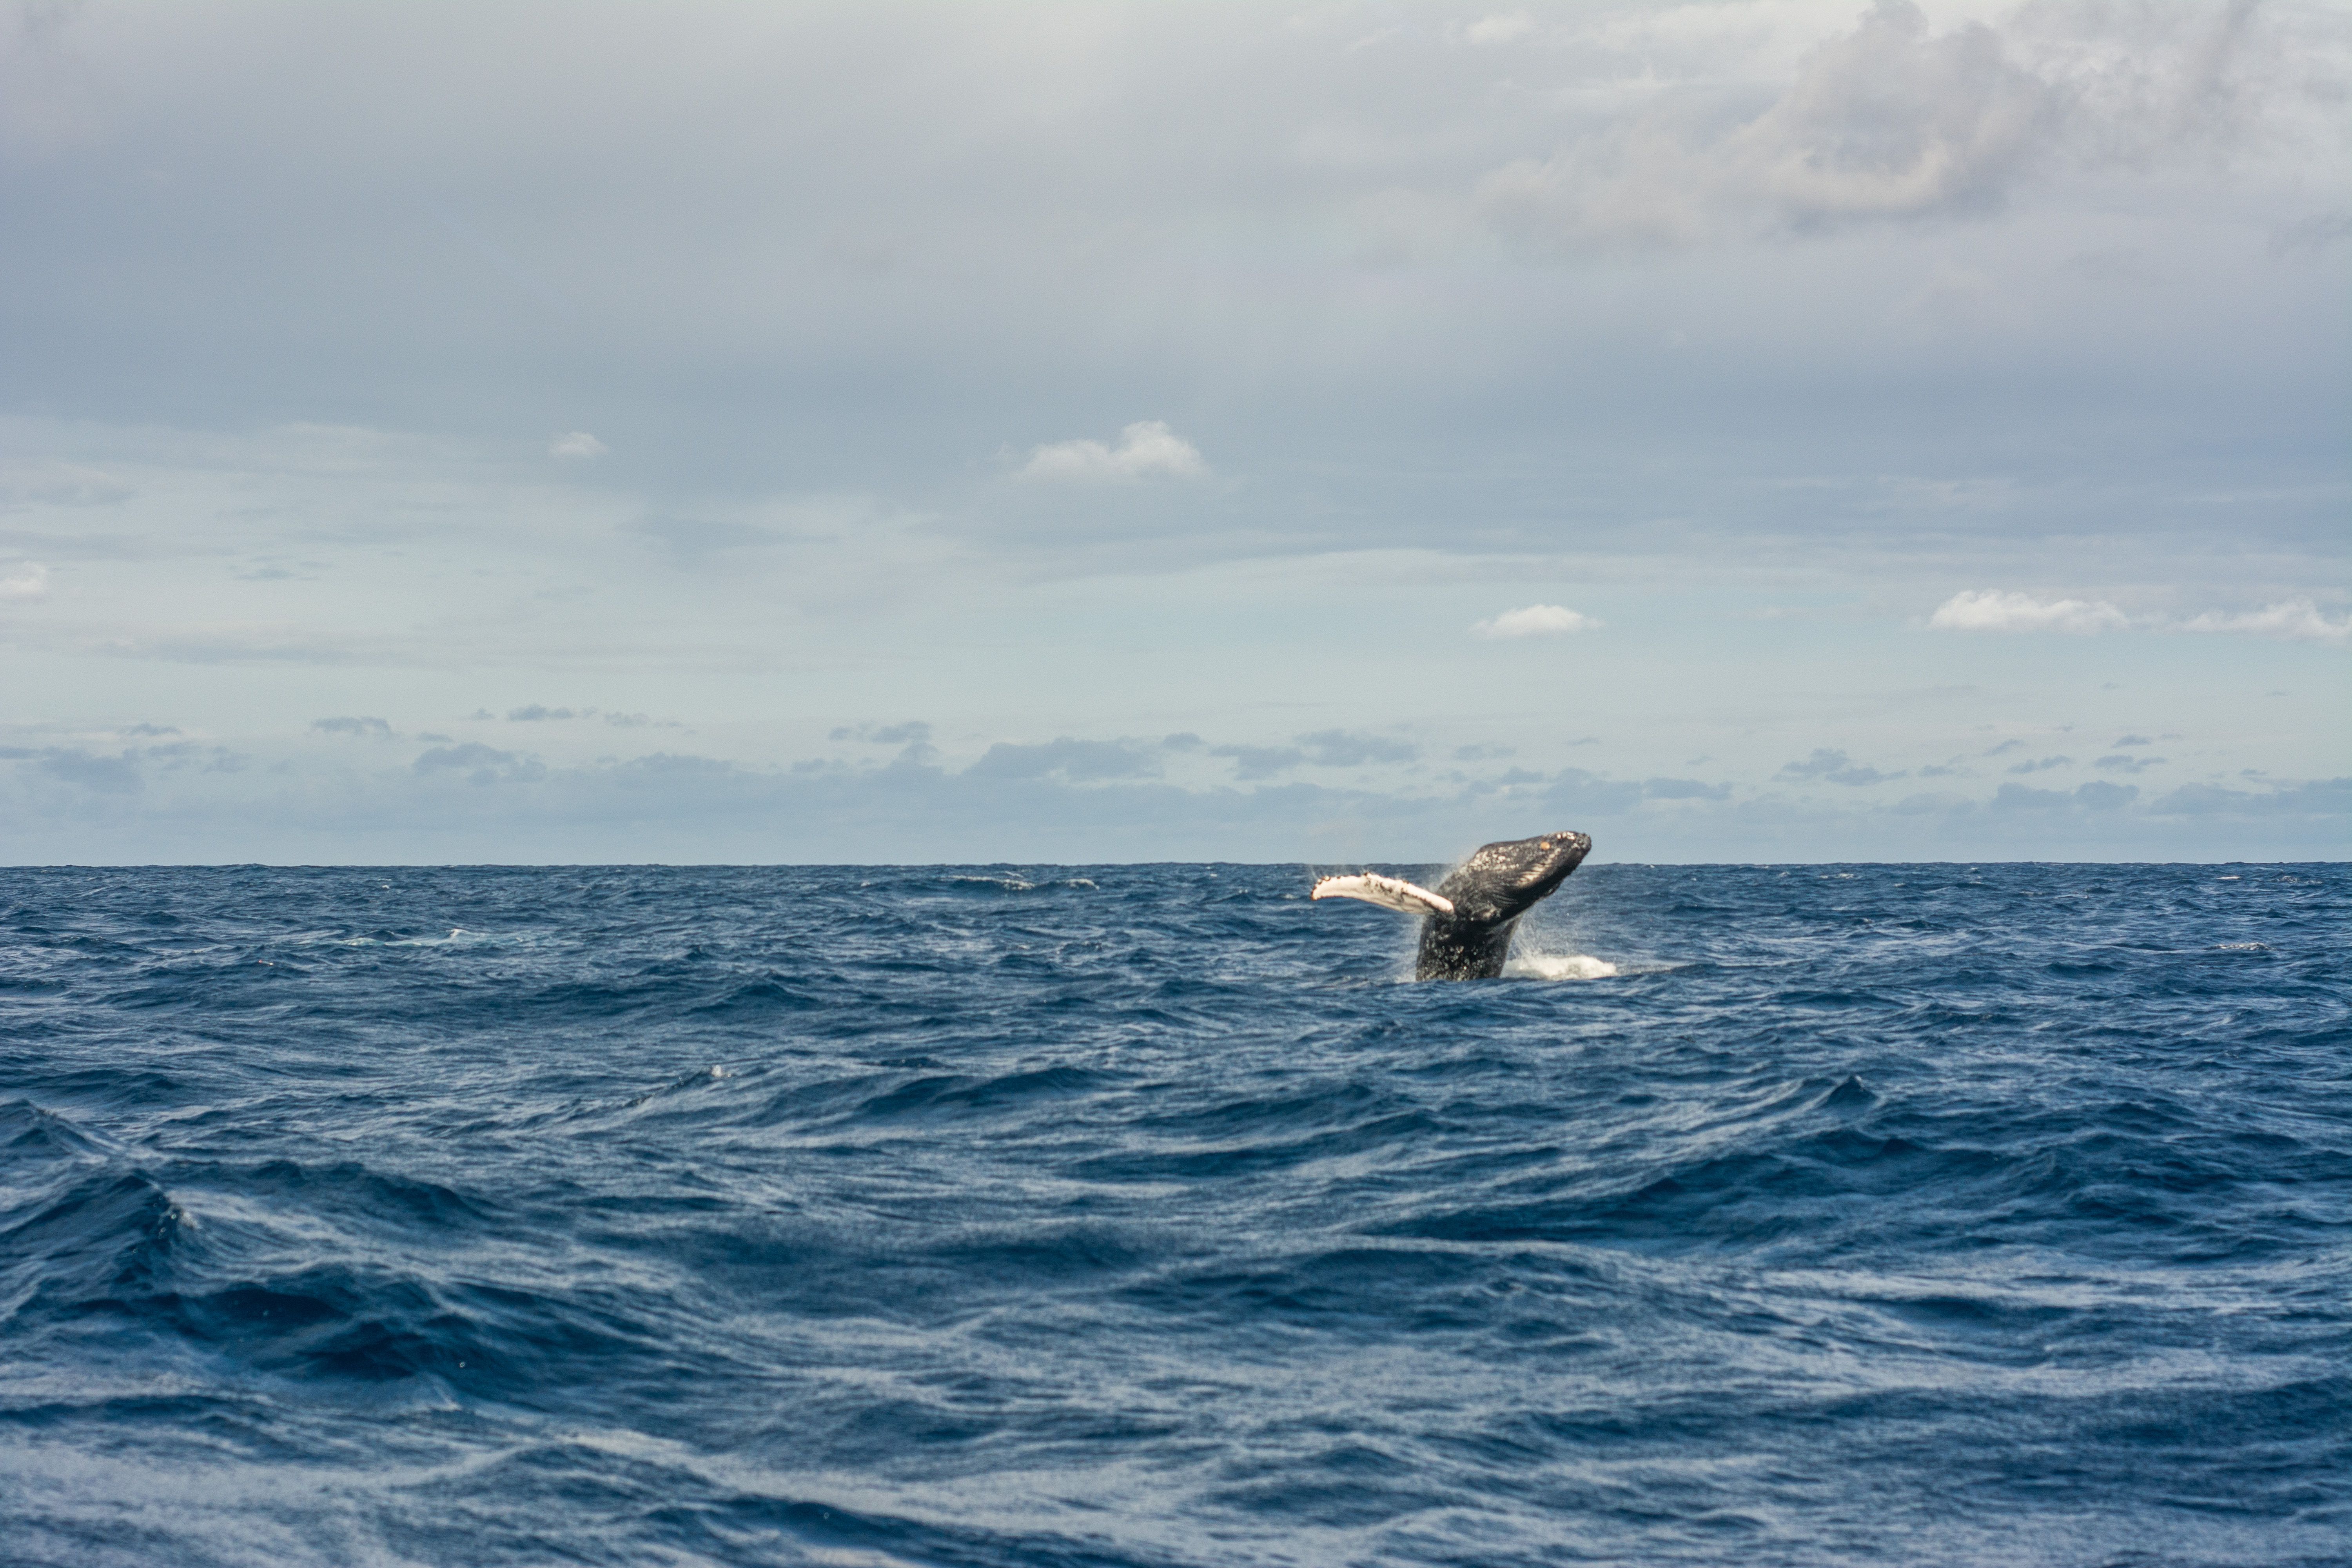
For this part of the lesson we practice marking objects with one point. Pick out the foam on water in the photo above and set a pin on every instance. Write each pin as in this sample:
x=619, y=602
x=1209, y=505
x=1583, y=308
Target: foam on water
x=1557, y=966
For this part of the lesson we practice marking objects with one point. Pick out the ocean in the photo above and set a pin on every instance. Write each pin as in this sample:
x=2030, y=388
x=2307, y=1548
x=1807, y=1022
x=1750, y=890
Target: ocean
x=1152, y=1214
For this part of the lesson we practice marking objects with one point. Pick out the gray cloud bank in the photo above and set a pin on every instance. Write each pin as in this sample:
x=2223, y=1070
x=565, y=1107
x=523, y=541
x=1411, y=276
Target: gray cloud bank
x=1068, y=800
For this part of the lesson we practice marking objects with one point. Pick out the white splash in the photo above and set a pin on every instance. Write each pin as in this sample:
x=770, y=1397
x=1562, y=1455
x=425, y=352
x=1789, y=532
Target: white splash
x=1558, y=966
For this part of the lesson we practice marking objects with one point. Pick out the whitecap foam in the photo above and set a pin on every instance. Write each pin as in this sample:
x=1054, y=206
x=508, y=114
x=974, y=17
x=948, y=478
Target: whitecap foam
x=1558, y=966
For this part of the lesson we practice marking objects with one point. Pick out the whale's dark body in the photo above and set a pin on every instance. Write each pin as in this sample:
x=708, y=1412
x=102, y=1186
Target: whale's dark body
x=1489, y=892
x=1467, y=922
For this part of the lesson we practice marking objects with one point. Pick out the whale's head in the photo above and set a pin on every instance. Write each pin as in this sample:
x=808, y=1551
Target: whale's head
x=1503, y=881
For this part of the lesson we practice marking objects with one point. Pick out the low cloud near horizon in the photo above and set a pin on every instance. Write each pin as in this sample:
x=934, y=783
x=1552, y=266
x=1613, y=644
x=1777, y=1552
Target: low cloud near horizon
x=1992, y=610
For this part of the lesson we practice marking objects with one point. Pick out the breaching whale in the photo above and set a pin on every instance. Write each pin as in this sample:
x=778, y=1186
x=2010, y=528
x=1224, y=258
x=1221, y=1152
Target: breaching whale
x=1466, y=923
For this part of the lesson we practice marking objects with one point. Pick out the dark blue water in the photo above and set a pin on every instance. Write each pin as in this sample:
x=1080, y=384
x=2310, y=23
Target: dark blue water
x=1145, y=1215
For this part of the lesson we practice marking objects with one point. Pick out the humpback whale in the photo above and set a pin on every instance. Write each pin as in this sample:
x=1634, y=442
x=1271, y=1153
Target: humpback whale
x=1466, y=923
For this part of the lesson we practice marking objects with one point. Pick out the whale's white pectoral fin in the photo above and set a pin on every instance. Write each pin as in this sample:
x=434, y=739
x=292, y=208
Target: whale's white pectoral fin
x=1389, y=892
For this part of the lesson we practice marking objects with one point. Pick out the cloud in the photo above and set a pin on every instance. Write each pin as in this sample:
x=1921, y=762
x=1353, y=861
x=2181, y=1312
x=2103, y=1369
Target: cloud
x=1347, y=749
x=1889, y=122
x=2042, y=764
x=481, y=764
x=2123, y=740
x=101, y=775
x=2299, y=619
x=534, y=712
x=1146, y=449
x=2314, y=797
x=2312, y=235
x=1684, y=789
x=28, y=580
x=1896, y=122
x=2088, y=797
x=576, y=446
x=1260, y=762
x=1323, y=749
x=1504, y=27
x=1826, y=766
x=914, y=731
x=1534, y=621
x=1078, y=760
x=353, y=725
x=2119, y=763
x=1992, y=610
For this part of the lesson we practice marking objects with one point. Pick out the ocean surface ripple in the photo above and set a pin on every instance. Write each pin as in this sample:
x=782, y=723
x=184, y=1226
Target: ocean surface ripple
x=1150, y=1215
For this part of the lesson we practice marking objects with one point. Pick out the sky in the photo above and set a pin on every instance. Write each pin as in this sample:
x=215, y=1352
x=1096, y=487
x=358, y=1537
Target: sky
x=1744, y=431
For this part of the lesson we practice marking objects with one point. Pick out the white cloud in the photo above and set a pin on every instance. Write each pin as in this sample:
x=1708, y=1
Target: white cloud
x=29, y=581
x=576, y=445
x=1534, y=621
x=2296, y=618
x=1991, y=610
x=1887, y=121
x=1503, y=27
x=1894, y=120
x=1147, y=449
x=1994, y=610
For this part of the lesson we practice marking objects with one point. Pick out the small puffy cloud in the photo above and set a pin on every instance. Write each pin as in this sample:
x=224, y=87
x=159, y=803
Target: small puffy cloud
x=2123, y=740
x=2299, y=619
x=2041, y=764
x=1828, y=766
x=25, y=582
x=353, y=724
x=576, y=446
x=535, y=712
x=1992, y=610
x=1147, y=449
x=1534, y=621
x=2120, y=763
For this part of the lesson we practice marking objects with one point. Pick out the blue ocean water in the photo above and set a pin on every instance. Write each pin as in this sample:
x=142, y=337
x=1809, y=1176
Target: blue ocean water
x=1152, y=1215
